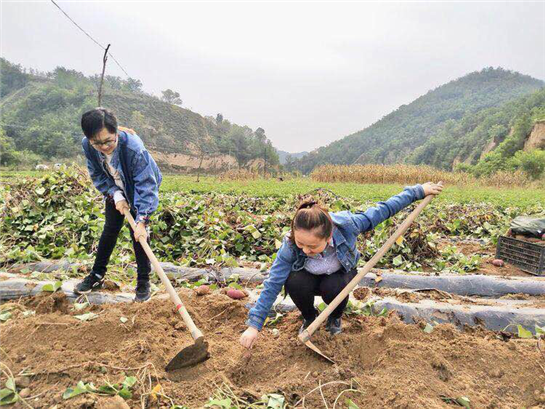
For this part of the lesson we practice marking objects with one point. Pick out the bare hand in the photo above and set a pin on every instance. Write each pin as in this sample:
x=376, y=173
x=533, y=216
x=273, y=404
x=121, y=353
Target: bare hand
x=431, y=188
x=248, y=337
x=121, y=206
x=140, y=231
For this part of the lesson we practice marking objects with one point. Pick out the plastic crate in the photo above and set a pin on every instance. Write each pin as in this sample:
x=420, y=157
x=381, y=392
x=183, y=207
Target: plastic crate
x=527, y=256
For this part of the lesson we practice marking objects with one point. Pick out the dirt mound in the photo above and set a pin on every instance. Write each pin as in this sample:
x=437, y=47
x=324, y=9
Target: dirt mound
x=48, y=303
x=390, y=364
x=361, y=293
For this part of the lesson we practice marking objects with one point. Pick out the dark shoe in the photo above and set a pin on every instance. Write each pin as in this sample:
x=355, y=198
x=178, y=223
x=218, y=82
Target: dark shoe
x=143, y=291
x=90, y=283
x=333, y=325
x=305, y=325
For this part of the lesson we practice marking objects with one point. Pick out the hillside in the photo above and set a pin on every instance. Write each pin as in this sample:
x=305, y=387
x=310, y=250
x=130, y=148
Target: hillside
x=286, y=157
x=40, y=115
x=475, y=136
x=394, y=138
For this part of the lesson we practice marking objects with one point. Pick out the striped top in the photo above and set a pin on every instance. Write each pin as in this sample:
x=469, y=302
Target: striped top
x=326, y=262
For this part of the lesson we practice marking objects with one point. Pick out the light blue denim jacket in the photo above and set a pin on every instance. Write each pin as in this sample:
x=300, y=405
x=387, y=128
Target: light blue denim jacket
x=139, y=172
x=345, y=235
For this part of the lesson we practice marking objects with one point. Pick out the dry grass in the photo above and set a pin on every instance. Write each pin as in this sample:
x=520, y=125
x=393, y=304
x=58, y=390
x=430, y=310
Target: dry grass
x=411, y=174
x=240, y=174
x=252, y=174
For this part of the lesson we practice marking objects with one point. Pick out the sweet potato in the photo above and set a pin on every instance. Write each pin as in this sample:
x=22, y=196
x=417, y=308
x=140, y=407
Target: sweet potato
x=202, y=290
x=497, y=262
x=235, y=294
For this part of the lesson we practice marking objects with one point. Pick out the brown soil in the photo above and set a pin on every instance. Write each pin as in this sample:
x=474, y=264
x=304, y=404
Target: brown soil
x=508, y=270
x=408, y=296
x=48, y=303
x=395, y=365
x=362, y=293
x=489, y=254
x=415, y=296
x=111, y=286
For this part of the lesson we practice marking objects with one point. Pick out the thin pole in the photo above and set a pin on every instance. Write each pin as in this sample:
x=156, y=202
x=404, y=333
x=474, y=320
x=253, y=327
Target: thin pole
x=104, y=59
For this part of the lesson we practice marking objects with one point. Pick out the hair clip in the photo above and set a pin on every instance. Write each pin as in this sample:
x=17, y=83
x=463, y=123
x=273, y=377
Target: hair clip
x=307, y=205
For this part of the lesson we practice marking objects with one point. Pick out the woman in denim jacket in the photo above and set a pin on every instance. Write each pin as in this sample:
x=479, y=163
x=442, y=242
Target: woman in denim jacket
x=319, y=257
x=124, y=172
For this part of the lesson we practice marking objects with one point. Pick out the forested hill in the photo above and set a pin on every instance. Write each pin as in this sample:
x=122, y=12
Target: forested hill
x=286, y=157
x=40, y=115
x=396, y=137
x=502, y=130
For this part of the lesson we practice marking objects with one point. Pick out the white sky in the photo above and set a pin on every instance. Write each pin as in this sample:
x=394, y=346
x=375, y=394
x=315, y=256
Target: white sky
x=308, y=73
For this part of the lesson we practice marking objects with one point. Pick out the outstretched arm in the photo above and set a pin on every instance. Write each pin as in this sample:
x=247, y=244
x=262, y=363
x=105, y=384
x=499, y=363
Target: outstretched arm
x=373, y=216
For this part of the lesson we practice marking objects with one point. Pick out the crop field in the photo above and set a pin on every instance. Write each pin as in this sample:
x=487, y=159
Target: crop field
x=115, y=353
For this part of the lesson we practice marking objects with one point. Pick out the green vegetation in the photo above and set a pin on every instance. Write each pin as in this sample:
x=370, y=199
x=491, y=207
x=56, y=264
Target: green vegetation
x=60, y=216
x=465, y=140
x=41, y=113
x=451, y=125
x=424, y=130
x=523, y=197
x=370, y=192
x=506, y=128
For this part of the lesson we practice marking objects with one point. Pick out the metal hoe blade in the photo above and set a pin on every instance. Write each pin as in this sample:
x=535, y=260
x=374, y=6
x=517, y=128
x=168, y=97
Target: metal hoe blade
x=317, y=350
x=190, y=356
x=305, y=339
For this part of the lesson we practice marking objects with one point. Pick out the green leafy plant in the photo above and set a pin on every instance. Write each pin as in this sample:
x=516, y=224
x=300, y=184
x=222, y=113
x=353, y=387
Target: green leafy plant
x=210, y=227
x=88, y=316
x=366, y=309
x=80, y=389
x=460, y=401
x=52, y=287
x=5, y=315
x=9, y=395
x=428, y=329
x=123, y=389
x=225, y=398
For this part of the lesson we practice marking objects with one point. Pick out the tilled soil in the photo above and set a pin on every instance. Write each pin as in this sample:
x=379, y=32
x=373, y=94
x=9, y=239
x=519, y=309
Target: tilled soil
x=386, y=363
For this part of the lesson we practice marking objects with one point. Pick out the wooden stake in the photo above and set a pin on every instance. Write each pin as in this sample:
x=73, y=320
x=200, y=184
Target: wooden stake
x=104, y=59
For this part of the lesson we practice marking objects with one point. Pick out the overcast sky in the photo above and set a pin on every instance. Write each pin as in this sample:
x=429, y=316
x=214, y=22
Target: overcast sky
x=308, y=73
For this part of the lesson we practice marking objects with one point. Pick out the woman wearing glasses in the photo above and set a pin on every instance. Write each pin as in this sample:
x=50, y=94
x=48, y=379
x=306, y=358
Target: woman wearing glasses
x=319, y=257
x=125, y=173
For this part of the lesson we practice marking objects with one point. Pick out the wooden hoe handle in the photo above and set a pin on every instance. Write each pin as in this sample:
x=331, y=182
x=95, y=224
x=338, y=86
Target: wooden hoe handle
x=195, y=332
x=305, y=335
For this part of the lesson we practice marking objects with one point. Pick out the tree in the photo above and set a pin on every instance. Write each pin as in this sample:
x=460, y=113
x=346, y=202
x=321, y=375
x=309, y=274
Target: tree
x=219, y=118
x=260, y=135
x=171, y=97
x=532, y=163
x=12, y=77
x=7, y=149
x=66, y=78
x=498, y=132
x=114, y=82
x=133, y=85
x=240, y=145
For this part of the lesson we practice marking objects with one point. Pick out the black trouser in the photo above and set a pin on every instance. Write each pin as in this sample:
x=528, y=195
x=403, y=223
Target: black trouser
x=302, y=286
x=108, y=239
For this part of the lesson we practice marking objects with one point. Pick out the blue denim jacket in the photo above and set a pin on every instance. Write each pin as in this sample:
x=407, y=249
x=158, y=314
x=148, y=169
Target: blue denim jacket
x=139, y=173
x=345, y=235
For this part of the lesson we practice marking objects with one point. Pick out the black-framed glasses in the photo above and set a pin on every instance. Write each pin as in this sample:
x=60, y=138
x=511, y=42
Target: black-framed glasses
x=107, y=143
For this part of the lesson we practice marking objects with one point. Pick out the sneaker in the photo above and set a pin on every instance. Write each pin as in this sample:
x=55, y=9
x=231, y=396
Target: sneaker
x=90, y=283
x=333, y=325
x=143, y=291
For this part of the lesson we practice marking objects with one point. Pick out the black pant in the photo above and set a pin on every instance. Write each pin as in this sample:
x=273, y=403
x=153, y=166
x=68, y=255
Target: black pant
x=302, y=286
x=108, y=239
